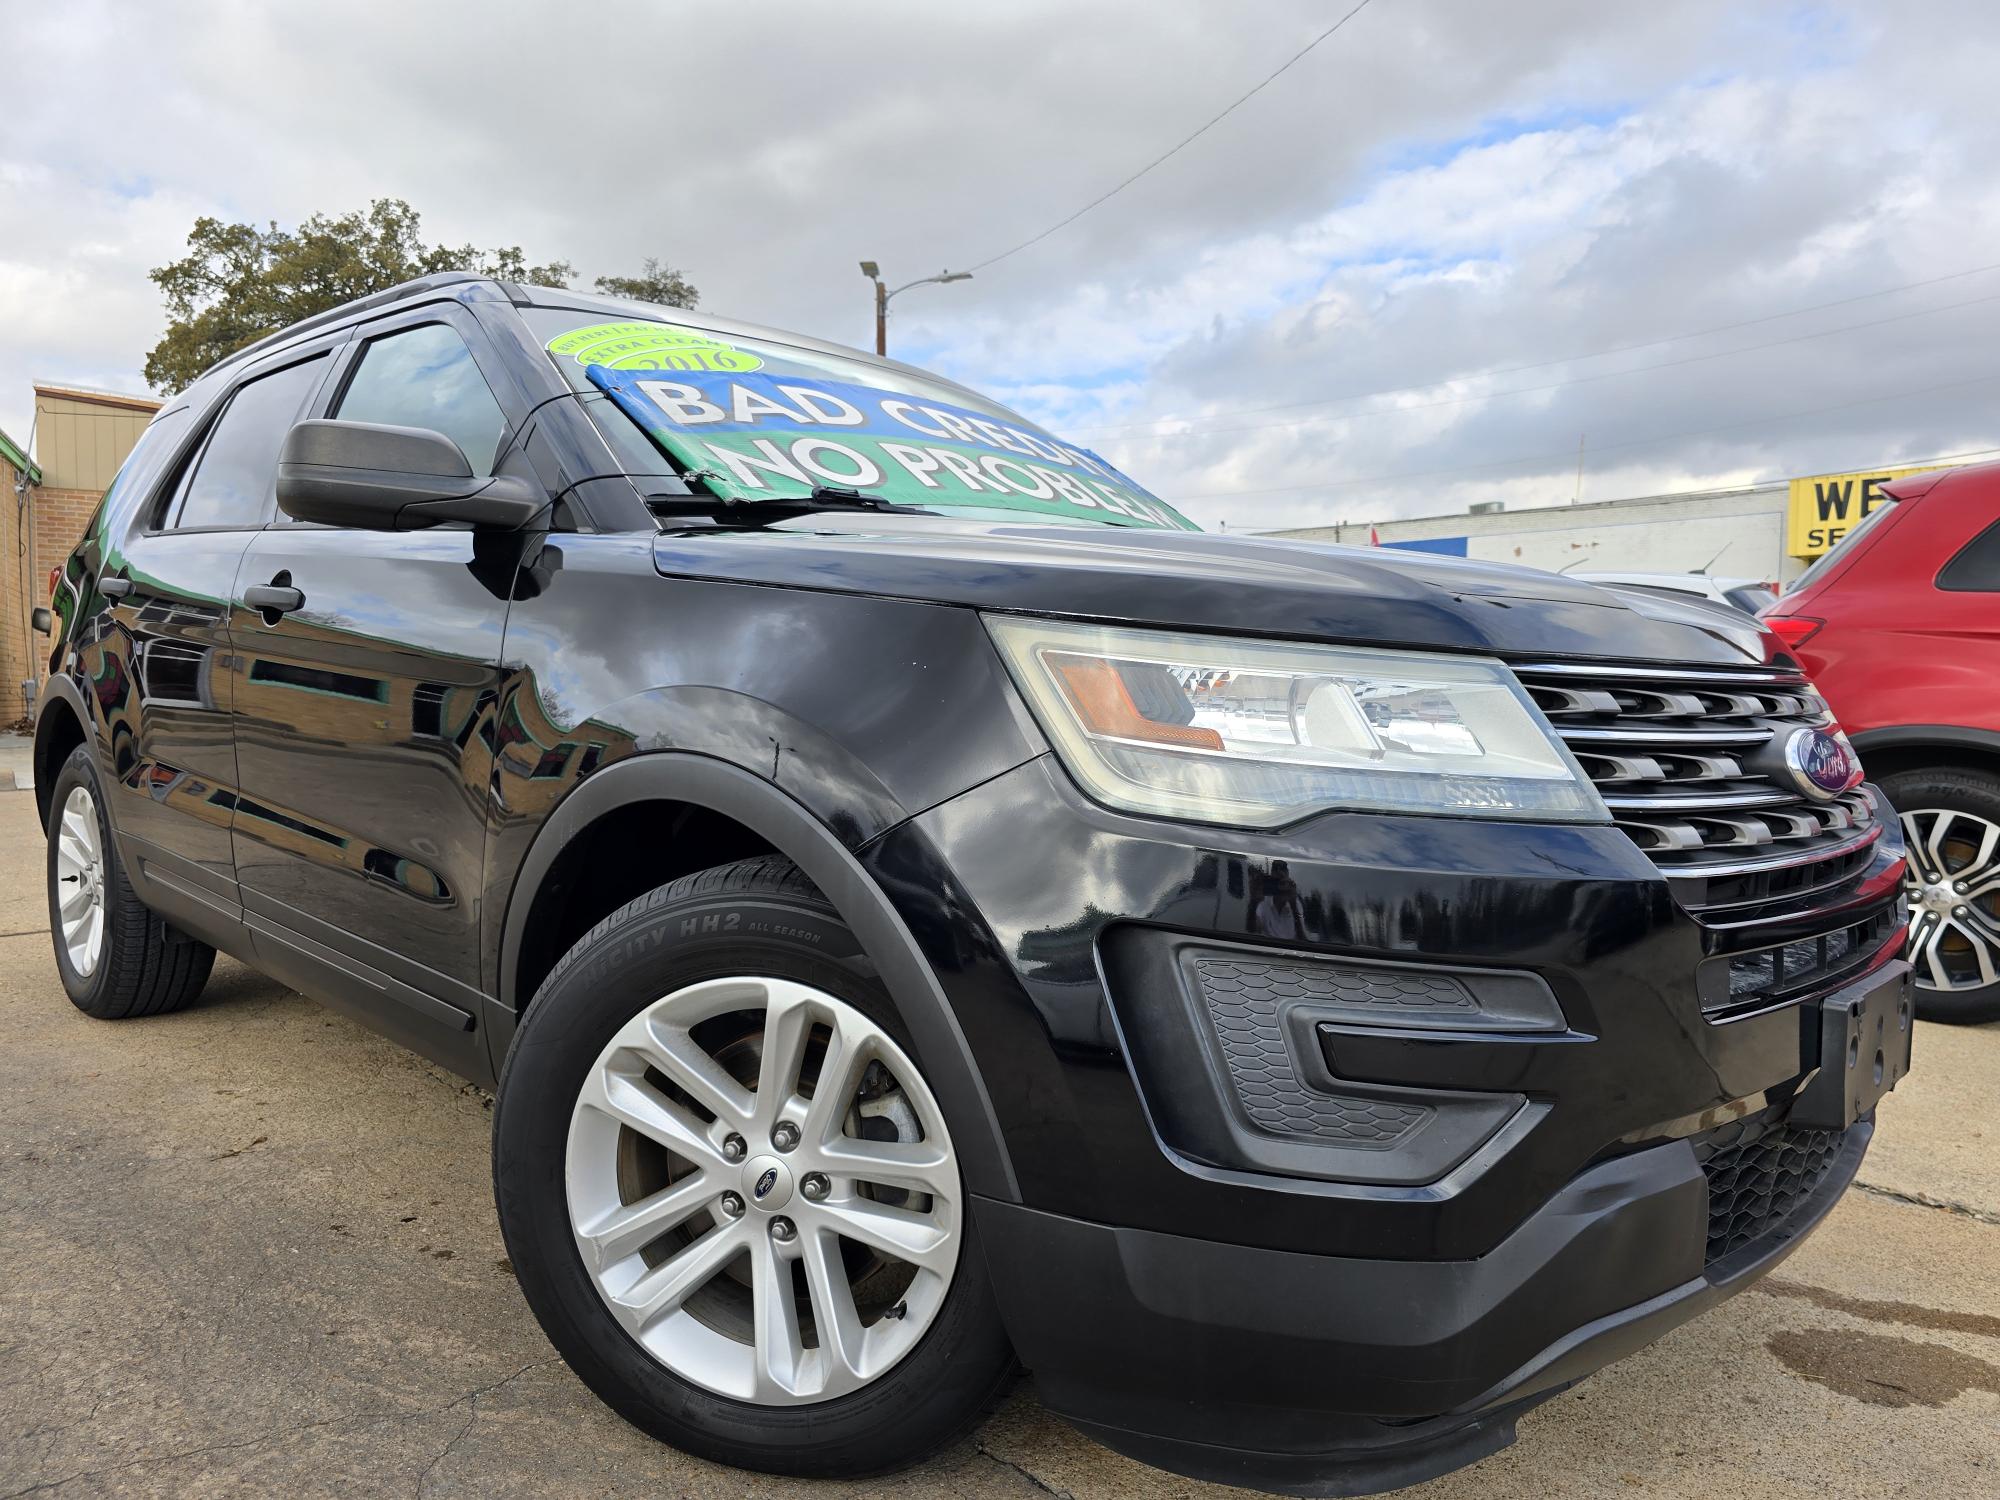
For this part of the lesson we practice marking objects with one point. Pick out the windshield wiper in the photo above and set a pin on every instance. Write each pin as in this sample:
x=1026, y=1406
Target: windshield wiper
x=730, y=511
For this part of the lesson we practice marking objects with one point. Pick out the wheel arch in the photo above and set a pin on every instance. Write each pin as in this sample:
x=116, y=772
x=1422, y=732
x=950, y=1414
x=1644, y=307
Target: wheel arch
x=61, y=724
x=1913, y=747
x=768, y=820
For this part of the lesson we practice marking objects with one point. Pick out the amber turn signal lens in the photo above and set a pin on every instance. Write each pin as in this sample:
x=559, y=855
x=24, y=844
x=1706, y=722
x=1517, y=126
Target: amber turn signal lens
x=1104, y=704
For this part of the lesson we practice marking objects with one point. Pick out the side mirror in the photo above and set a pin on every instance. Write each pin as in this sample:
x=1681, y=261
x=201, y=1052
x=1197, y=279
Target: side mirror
x=42, y=620
x=377, y=478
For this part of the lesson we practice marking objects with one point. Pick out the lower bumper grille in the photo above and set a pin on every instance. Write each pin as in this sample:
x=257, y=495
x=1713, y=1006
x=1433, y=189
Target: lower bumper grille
x=1754, y=1185
x=1745, y=983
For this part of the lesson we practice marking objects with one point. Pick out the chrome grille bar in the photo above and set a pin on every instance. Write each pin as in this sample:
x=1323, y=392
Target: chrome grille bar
x=1682, y=758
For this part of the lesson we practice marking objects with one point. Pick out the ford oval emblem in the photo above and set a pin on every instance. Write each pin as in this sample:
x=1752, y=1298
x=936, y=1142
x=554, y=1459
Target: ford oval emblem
x=764, y=1184
x=1822, y=764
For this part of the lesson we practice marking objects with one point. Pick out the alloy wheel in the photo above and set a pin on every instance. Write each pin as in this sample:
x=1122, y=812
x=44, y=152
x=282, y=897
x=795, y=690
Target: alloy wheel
x=1954, y=898
x=80, y=881
x=762, y=1189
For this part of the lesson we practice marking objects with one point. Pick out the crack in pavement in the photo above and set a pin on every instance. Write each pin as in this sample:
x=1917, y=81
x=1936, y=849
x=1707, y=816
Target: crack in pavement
x=354, y=1419
x=1925, y=1200
x=1035, y=1479
x=471, y=1400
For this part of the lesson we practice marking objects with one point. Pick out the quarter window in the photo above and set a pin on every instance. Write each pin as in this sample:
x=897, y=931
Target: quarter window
x=425, y=377
x=1976, y=568
x=235, y=479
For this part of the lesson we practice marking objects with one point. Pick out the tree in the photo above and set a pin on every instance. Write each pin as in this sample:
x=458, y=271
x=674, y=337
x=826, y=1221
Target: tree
x=238, y=283
x=657, y=283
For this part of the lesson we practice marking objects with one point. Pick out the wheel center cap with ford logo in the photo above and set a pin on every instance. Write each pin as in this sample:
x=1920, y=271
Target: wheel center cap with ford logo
x=767, y=1183
x=1822, y=764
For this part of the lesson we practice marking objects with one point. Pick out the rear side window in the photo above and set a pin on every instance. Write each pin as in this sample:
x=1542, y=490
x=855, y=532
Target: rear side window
x=233, y=481
x=1976, y=568
x=425, y=377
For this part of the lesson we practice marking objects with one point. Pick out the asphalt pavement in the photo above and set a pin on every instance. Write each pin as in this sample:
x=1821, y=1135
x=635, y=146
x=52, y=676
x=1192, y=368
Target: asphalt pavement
x=250, y=1250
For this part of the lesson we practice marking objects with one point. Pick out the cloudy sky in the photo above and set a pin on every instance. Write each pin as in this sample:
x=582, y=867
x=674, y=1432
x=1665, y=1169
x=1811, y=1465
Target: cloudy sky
x=1712, y=242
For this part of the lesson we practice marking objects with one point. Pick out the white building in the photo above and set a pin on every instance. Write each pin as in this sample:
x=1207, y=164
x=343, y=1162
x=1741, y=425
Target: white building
x=1768, y=531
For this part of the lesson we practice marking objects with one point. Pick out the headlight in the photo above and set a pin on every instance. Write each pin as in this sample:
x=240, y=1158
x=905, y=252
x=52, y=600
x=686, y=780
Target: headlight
x=1257, y=734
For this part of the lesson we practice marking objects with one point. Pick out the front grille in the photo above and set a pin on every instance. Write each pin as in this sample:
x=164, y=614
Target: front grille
x=1744, y=983
x=1756, y=1182
x=1682, y=757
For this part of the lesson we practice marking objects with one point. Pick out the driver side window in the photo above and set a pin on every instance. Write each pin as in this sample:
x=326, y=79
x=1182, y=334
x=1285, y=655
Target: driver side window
x=425, y=377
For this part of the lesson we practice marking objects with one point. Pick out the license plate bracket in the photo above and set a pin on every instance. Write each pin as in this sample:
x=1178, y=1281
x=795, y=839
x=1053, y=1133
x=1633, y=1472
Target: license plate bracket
x=1864, y=1049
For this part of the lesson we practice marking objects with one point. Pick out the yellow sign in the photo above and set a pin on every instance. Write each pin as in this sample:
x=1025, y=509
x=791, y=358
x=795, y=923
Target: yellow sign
x=1825, y=507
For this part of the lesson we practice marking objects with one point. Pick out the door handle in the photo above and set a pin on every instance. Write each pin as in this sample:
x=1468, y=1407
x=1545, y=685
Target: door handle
x=275, y=598
x=111, y=586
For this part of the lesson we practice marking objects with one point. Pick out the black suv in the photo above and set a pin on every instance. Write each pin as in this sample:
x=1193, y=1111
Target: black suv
x=924, y=905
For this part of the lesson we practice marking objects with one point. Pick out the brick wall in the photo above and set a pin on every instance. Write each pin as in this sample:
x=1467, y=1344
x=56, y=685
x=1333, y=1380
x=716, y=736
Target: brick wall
x=16, y=562
x=34, y=538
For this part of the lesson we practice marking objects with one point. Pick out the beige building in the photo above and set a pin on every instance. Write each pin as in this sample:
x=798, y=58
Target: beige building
x=80, y=437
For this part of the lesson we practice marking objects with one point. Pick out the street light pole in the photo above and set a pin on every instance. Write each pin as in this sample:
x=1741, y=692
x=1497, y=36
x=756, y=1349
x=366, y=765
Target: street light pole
x=882, y=295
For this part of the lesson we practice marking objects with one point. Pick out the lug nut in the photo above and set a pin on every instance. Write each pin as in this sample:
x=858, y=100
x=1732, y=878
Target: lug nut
x=1958, y=911
x=782, y=1231
x=732, y=1205
x=734, y=1148
x=1962, y=887
x=785, y=1136
x=815, y=1186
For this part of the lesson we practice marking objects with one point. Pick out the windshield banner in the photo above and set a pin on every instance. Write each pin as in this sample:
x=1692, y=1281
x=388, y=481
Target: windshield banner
x=752, y=436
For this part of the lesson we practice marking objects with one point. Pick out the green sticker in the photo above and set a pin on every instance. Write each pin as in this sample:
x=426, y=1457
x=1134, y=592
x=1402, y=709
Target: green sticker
x=651, y=346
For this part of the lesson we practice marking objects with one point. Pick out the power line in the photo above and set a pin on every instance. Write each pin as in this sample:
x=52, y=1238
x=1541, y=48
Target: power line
x=1566, y=453
x=1105, y=197
x=1675, y=338
x=1555, y=385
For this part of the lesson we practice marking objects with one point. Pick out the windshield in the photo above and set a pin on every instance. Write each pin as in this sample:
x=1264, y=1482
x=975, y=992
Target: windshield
x=1840, y=548
x=1751, y=597
x=755, y=419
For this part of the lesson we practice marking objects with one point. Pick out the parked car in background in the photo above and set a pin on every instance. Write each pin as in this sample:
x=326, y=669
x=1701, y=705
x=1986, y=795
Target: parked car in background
x=1899, y=626
x=1746, y=594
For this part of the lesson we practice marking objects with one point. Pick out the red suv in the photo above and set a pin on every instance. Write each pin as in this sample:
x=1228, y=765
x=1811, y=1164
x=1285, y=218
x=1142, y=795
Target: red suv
x=1899, y=627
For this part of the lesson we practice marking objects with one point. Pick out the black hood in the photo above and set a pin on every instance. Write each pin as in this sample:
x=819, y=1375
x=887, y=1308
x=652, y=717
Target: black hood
x=1244, y=585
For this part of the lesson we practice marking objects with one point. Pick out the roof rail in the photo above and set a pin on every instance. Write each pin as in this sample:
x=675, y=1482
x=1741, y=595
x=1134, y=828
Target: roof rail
x=345, y=310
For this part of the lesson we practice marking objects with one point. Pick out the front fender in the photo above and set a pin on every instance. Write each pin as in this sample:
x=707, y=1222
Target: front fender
x=840, y=788
x=788, y=826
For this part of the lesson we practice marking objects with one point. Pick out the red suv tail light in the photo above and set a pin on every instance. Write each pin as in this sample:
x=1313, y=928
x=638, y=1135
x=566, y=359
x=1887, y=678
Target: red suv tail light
x=1794, y=630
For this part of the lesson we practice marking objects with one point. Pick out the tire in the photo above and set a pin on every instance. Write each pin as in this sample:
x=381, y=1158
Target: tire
x=755, y=934
x=139, y=963
x=1951, y=822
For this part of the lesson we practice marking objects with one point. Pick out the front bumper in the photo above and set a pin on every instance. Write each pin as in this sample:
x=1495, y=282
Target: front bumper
x=1316, y=1375
x=1261, y=1286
